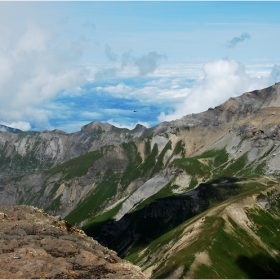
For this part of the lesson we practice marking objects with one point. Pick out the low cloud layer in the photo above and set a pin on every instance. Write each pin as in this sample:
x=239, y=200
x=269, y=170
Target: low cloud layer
x=24, y=126
x=222, y=79
x=237, y=40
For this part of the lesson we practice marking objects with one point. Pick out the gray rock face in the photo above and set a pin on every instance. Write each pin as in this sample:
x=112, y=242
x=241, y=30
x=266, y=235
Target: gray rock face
x=232, y=110
x=149, y=188
x=31, y=152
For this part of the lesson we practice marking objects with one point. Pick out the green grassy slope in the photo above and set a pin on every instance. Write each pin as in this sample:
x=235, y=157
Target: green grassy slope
x=221, y=247
x=215, y=171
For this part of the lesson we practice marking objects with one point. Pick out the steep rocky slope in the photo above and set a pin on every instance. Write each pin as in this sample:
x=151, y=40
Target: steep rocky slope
x=238, y=238
x=36, y=245
x=128, y=188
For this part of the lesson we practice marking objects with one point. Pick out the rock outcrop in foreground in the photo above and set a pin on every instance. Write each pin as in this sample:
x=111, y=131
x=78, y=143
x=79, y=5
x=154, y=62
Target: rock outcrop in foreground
x=34, y=244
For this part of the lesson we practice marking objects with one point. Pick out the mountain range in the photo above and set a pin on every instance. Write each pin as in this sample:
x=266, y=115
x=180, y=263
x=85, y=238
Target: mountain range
x=196, y=197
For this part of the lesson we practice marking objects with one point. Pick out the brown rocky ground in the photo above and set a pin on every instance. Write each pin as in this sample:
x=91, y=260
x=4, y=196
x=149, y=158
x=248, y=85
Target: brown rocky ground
x=36, y=245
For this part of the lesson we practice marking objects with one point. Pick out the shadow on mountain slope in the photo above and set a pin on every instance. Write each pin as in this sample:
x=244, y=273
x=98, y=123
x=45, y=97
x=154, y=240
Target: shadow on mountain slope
x=260, y=267
x=138, y=229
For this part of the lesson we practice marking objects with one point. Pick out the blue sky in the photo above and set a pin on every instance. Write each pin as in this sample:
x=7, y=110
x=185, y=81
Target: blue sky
x=65, y=64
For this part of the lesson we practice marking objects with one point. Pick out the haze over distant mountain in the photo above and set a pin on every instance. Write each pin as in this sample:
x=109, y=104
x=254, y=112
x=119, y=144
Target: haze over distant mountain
x=195, y=197
x=4, y=128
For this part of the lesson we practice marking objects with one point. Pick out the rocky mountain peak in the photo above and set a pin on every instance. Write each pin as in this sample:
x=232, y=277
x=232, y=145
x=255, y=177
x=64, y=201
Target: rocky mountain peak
x=264, y=98
x=233, y=109
x=55, y=131
x=139, y=127
x=97, y=127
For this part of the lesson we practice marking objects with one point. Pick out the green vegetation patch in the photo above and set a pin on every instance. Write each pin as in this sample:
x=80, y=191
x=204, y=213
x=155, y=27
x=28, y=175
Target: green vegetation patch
x=148, y=165
x=186, y=256
x=232, y=255
x=136, y=168
x=132, y=153
x=76, y=167
x=225, y=251
x=180, y=148
x=159, y=163
x=30, y=200
x=193, y=166
x=219, y=156
x=203, y=164
x=193, y=183
x=134, y=160
x=54, y=189
x=54, y=205
x=267, y=222
x=92, y=204
x=256, y=167
x=235, y=166
x=267, y=153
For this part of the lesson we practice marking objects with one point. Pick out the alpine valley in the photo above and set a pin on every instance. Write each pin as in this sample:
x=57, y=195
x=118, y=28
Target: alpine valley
x=197, y=197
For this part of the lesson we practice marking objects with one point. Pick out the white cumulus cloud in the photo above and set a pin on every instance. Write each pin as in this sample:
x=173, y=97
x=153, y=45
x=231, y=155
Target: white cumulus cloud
x=24, y=126
x=222, y=79
x=31, y=74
